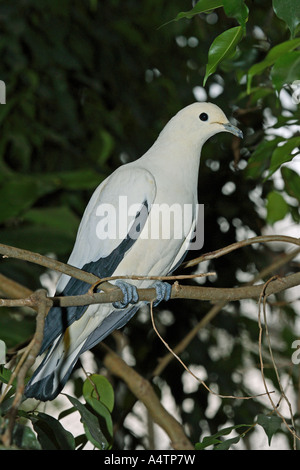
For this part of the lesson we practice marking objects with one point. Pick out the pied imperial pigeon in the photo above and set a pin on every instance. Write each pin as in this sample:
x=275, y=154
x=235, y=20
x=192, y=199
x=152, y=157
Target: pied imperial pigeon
x=165, y=176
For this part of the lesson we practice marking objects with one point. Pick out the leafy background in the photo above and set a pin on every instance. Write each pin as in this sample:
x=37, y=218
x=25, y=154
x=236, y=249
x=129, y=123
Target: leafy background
x=89, y=85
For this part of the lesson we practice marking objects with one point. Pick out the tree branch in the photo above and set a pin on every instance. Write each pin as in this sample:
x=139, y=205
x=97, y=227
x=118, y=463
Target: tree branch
x=13, y=289
x=241, y=244
x=213, y=294
x=143, y=390
x=39, y=298
x=50, y=263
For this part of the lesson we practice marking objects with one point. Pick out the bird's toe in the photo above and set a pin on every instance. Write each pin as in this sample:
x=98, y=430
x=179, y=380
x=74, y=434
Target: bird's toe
x=163, y=292
x=130, y=295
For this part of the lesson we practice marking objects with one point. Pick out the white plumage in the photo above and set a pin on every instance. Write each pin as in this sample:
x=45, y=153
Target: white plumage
x=166, y=174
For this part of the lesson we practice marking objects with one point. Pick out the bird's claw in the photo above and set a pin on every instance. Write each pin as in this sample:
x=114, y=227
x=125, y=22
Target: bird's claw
x=130, y=295
x=163, y=292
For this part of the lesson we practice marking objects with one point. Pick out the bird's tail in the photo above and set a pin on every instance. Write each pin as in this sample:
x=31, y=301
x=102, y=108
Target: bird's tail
x=53, y=372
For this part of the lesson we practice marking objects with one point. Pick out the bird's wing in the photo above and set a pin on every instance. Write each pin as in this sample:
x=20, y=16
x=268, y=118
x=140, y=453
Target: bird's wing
x=115, y=208
x=128, y=191
x=182, y=252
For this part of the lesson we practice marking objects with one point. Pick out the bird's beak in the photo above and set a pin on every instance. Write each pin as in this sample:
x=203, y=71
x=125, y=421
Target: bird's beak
x=233, y=130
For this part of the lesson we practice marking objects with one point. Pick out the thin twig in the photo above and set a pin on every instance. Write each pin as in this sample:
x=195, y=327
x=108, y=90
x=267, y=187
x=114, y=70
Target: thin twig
x=181, y=346
x=88, y=376
x=263, y=297
x=189, y=370
x=241, y=244
x=278, y=263
x=134, y=277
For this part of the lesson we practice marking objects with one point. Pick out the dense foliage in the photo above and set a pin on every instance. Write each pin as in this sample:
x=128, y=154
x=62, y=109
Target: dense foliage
x=89, y=85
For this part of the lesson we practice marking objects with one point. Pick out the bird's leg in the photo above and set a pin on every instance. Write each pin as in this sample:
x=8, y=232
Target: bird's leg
x=129, y=292
x=163, y=292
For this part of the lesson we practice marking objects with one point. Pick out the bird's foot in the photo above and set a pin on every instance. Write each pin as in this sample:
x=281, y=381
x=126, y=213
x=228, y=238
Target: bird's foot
x=163, y=292
x=129, y=292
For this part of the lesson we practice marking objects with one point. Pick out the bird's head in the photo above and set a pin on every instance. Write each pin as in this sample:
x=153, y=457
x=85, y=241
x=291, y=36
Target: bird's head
x=198, y=122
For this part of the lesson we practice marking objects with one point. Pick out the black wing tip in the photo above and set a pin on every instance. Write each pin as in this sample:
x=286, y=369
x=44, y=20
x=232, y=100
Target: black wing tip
x=43, y=389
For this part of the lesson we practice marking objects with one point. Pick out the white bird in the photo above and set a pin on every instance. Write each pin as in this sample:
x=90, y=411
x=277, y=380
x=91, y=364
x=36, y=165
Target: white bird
x=166, y=174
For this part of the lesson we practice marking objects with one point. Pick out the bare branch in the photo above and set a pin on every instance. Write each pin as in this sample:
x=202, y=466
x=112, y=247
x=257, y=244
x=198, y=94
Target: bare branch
x=13, y=289
x=39, y=298
x=214, y=294
x=50, y=263
x=237, y=245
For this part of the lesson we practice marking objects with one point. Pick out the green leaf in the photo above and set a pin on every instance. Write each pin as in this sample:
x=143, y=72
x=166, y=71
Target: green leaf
x=39, y=239
x=271, y=424
x=270, y=59
x=18, y=195
x=99, y=394
x=222, y=47
x=57, y=217
x=288, y=11
x=5, y=374
x=225, y=445
x=236, y=9
x=260, y=158
x=91, y=424
x=67, y=412
x=283, y=154
x=14, y=330
x=51, y=434
x=286, y=69
x=292, y=182
x=98, y=387
x=25, y=438
x=103, y=412
x=200, y=7
x=214, y=439
x=100, y=147
x=83, y=179
x=207, y=441
x=277, y=208
x=233, y=8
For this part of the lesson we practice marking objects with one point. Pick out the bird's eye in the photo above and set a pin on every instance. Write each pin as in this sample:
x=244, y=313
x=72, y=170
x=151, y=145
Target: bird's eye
x=203, y=117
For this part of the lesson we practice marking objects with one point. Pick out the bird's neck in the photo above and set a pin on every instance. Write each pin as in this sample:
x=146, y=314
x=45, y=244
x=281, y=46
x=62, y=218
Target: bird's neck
x=179, y=160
